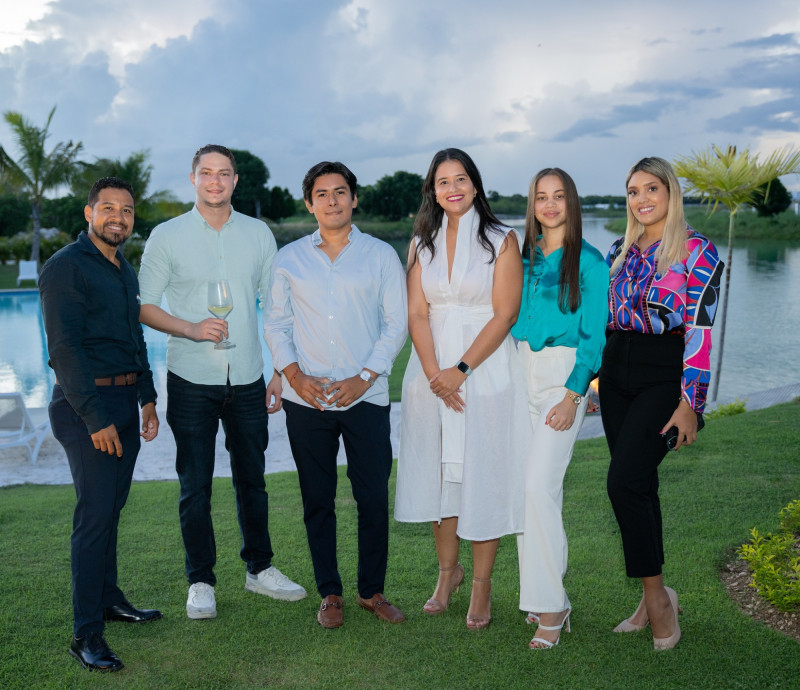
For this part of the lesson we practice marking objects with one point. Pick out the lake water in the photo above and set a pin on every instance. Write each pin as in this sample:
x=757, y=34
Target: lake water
x=761, y=344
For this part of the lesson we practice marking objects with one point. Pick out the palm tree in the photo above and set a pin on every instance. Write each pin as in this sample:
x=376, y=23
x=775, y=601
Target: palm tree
x=732, y=179
x=37, y=172
x=136, y=170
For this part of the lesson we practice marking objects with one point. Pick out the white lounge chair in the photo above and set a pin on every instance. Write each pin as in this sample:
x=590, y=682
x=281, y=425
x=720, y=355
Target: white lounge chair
x=20, y=426
x=27, y=271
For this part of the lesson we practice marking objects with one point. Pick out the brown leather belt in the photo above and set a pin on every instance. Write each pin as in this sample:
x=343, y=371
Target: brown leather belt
x=120, y=380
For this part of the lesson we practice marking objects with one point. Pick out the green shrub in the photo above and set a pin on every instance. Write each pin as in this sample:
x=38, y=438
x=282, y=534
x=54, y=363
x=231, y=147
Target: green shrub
x=133, y=250
x=50, y=245
x=774, y=561
x=5, y=250
x=20, y=246
x=790, y=518
x=736, y=407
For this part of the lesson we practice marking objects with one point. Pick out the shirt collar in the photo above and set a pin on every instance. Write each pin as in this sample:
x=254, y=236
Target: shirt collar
x=316, y=236
x=199, y=216
x=86, y=244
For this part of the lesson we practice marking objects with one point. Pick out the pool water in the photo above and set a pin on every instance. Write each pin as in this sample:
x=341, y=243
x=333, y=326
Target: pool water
x=23, y=350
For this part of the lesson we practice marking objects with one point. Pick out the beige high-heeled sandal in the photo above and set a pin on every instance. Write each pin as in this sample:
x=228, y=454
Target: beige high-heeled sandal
x=660, y=643
x=480, y=622
x=433, y=606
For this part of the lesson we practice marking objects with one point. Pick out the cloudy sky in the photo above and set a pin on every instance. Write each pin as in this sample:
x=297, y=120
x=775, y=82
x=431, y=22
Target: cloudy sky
x=382, y=85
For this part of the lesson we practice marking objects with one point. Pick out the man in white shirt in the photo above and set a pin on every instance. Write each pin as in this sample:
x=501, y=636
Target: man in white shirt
x=336, y=316
x=206, y=385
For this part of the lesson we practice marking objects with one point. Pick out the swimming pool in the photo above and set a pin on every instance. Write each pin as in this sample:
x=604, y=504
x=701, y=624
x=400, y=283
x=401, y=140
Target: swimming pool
x=23, y=350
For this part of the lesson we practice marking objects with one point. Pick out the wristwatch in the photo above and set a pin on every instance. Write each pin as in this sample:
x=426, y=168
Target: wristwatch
x=366, y=377
x=577, y=399
x=463, y=367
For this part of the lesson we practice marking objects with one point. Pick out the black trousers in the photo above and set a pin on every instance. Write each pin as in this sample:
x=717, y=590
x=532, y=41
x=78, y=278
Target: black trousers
x=102, y=483
x=640, y=386
x=194, y=411
x=314, y=439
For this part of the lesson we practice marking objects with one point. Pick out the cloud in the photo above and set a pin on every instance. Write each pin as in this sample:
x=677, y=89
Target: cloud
x=773, y=41
x=781, y=115
x=650, y=111
x=382, y=86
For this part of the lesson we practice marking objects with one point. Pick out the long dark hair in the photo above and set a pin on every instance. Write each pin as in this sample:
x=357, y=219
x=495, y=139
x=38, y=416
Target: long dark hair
x=569, y=276
x=429, y=216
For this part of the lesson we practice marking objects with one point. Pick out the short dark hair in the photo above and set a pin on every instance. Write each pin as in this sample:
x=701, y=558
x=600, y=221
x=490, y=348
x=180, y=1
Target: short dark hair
x=106, y=183
x=214, y=148
x=328, y=168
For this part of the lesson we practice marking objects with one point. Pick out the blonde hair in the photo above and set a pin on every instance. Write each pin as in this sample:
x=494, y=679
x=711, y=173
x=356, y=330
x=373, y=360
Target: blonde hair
x=673, y=241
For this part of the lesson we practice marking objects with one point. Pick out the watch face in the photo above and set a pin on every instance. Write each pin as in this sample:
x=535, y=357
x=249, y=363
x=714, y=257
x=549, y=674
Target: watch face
x=365, y=376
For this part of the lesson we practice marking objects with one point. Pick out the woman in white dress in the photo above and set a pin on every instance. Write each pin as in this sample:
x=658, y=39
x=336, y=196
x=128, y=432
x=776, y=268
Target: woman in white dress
x=465, y=428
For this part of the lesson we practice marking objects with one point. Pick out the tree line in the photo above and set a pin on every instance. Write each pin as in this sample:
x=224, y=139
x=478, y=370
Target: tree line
x=26, y=179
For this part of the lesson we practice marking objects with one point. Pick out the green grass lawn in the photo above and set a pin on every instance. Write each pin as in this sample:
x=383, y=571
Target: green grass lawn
x=8, y=278
x=743, y=470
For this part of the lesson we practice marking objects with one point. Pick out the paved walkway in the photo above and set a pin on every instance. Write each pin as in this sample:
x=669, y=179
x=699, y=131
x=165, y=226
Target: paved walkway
x=157, y=458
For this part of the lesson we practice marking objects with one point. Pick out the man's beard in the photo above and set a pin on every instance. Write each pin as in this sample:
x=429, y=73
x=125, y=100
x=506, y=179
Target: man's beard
x=112, y=240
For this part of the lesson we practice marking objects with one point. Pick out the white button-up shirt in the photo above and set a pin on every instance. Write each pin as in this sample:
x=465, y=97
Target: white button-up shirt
x=337, y=318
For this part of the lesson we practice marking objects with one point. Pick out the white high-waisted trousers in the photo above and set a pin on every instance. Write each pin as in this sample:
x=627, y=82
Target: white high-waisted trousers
x=542, y=547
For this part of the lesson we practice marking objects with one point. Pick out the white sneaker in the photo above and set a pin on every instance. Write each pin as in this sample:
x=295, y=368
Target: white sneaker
x=201, y=602
x=275, y=584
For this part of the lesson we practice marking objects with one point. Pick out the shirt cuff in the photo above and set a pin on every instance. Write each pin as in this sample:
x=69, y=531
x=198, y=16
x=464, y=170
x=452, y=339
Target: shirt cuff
x=579, y=379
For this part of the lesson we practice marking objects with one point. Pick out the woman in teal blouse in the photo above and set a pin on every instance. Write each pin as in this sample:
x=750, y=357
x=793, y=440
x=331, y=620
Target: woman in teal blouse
x=561, y=334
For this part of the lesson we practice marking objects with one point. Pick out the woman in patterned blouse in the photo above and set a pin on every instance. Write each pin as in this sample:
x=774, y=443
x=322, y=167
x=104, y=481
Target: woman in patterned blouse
x=655, y=372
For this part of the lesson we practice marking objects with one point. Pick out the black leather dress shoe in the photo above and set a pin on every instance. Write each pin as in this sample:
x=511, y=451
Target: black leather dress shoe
x=125, y=613
x=94, y=653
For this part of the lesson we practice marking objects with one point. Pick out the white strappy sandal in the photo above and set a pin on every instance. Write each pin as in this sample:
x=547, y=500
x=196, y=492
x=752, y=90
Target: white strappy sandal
x=546, y=643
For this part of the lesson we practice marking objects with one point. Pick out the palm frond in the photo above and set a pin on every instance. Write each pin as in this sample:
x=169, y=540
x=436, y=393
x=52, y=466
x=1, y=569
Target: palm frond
x=732, y=177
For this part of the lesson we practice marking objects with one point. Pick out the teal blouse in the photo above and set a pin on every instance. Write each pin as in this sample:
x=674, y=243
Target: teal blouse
x=541, y=323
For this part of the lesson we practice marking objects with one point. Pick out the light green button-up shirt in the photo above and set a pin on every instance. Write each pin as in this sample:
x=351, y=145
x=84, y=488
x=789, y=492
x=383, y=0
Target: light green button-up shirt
x=179, y=259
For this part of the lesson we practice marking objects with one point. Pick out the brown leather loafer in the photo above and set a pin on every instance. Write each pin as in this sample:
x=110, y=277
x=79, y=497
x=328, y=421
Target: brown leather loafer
x=382, y=608
x=330, y=614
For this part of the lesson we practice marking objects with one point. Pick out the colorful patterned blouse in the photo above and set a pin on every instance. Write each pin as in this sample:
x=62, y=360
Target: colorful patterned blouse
x=684, y=300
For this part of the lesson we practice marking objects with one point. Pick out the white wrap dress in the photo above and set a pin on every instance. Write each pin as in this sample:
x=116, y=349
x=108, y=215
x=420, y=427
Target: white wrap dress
x=469, y=464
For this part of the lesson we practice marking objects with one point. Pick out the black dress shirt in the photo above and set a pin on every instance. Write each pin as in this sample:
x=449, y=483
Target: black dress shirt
x=91, y=317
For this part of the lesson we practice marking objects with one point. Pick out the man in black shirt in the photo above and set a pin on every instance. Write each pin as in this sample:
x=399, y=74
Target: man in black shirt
x=90, y=303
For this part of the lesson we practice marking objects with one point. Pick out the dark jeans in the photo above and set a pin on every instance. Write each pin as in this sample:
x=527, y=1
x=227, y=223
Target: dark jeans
x=640, y=385
x=193, y=412
x=102, y=483
x=314, y=438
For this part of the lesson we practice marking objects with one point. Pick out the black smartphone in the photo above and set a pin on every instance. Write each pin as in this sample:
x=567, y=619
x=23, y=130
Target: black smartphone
x=670, y=436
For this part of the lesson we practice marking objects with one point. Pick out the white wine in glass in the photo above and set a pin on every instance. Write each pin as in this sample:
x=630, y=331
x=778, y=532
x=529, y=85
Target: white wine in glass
x=220, y=305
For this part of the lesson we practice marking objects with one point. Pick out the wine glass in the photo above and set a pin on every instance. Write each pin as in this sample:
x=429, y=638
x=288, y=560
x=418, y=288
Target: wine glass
x=326, y=383
x=220, y=305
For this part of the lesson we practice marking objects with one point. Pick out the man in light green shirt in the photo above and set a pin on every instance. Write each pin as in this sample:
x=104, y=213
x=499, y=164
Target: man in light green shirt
x=208, y=384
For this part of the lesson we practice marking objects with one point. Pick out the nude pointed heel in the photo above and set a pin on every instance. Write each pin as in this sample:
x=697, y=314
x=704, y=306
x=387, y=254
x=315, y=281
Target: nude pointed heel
x=434, y=607
x=660, y=643
x=628, y=626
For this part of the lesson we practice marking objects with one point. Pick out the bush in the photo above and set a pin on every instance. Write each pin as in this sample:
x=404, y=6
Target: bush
x=736, y=407
x=774, y=561
x=50, y=245
x=133, y=250
x=20, y=246
x=5, y=250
